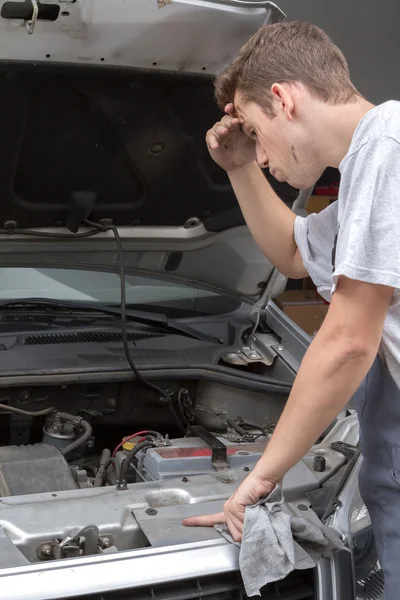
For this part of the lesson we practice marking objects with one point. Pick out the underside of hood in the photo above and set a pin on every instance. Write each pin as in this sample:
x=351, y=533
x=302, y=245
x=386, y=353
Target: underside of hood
x=135, y=139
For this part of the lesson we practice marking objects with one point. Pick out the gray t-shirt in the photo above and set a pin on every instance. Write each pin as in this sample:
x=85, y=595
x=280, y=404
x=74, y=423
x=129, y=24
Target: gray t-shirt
x=366, y=218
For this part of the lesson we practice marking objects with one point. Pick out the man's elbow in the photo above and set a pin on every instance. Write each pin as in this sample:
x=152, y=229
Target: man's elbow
x=349, y=351
x=294, y=268
x=356, y=351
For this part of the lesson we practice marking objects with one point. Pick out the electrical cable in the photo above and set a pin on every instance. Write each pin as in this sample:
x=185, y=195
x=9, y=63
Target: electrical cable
x=175, y=417
x=163, y=394
x=181, y=407
x=237, y=426
x=137, y=434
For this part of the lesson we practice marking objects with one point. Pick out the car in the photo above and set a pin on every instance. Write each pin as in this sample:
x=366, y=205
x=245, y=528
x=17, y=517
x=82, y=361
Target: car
x=144, y=361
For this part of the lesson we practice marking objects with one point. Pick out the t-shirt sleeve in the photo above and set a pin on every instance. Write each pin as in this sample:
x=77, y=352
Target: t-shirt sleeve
x=368, y=244
x=314, y=236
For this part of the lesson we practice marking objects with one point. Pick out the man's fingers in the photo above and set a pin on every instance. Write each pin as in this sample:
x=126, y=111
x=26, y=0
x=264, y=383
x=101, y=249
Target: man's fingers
x=235, y=527
x=220, y=131
x=212, y=140
x=230, y=122
x=214, y=136
x=206, y=521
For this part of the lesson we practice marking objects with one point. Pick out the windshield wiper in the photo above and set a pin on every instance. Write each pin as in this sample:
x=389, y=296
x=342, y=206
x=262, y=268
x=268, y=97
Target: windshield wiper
x=145, y=318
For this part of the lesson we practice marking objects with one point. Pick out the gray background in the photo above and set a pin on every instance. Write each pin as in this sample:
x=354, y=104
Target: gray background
x=368, y=34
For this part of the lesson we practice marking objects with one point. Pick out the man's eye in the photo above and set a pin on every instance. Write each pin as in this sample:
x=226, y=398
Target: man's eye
x=253, y=133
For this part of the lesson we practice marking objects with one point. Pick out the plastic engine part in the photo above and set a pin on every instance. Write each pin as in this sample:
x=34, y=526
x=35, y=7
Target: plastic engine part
x=190, y=456
x=33, y=469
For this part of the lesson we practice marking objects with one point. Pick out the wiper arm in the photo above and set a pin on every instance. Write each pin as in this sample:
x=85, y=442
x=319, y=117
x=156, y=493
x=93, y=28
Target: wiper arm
x=145, y=318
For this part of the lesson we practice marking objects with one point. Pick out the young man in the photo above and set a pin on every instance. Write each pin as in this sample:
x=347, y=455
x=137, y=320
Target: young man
x=290, y=105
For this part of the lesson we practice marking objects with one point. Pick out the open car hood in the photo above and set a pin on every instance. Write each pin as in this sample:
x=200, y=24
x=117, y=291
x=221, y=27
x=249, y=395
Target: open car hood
x=116, y=101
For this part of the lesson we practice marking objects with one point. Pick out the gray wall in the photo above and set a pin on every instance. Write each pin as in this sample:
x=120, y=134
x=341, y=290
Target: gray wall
x=367, y=32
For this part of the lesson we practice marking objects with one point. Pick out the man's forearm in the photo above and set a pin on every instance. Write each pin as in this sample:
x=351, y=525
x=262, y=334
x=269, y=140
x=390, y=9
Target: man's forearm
x=270, y=221
x=328, y=377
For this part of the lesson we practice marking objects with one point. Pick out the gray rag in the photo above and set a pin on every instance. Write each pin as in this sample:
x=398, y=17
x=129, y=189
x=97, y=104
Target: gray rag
x=274, y=543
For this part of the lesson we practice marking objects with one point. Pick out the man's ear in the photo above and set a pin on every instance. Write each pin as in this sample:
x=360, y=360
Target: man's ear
x=283, y=99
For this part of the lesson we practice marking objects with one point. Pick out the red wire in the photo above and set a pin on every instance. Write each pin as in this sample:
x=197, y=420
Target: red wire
x=145, y=432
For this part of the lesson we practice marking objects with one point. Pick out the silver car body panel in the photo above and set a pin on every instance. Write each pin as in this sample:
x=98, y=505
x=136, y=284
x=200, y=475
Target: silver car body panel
x=187, y=36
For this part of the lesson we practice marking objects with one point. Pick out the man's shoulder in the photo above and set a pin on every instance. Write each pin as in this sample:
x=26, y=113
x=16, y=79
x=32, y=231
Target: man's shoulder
x=377, y=133
x=381, y=121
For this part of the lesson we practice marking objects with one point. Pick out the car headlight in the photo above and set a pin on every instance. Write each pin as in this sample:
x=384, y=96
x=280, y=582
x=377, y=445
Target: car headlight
x=369, y=576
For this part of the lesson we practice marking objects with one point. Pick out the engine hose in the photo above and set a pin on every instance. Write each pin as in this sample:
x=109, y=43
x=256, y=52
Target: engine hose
x=81, y=440
x=122, y=483
x=104, y=458
x=28, y=413
x=233, y=425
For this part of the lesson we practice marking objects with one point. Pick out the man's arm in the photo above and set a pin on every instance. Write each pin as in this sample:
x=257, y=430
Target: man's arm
x=335, y=364
x=270, y=221
x=333, y=368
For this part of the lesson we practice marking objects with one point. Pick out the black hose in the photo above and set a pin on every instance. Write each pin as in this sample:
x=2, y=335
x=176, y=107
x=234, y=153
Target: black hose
x=81, y=440
x=104, y=458
x=125, y=340
x=127, y=461
x=28, y=413
x=236, y=427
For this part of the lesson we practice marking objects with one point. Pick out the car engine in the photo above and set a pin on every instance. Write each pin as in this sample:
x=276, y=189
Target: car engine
x=67, y=450
x=58, y=462
x=90, y=469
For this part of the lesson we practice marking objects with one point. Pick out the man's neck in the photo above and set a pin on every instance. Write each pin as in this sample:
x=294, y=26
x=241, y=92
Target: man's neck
x=339, y=123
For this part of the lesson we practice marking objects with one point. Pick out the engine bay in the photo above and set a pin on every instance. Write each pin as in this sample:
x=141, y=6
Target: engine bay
x=51, y=450
x=121, y=469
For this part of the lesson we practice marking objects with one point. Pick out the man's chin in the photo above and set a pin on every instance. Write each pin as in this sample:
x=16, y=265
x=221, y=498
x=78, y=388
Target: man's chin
x=302, y=185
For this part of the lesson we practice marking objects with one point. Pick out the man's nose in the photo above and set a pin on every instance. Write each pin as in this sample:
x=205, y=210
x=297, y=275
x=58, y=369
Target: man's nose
x=261, y=157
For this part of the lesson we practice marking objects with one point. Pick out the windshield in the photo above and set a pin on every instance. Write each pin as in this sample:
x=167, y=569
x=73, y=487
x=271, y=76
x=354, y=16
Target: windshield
x=149, y=293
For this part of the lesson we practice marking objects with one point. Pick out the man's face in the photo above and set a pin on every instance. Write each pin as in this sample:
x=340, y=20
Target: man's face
x=283, y=144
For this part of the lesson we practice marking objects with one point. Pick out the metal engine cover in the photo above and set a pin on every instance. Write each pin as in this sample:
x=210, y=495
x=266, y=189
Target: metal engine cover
x=33, y=469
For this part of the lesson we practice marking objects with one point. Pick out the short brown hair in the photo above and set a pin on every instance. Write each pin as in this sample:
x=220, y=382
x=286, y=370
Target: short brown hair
x=286, y=52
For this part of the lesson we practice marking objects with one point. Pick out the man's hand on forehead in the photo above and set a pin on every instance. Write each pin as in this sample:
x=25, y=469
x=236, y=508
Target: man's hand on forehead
x=227, y=144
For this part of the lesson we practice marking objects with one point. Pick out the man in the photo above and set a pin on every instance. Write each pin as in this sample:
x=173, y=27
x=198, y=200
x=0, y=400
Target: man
x=290, y=105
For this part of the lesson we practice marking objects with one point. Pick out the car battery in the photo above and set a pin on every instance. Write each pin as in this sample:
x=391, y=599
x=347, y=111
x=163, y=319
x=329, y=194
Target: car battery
x=187, y=457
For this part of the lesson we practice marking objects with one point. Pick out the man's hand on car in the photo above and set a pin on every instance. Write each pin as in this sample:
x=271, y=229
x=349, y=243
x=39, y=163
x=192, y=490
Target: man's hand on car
x=229, y=147
x=249, y=492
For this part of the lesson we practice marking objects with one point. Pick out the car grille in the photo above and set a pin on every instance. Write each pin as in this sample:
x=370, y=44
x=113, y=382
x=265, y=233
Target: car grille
x=90, y=336
x=299, y=585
